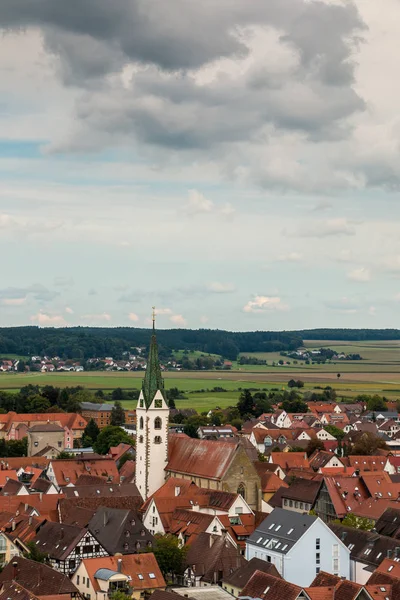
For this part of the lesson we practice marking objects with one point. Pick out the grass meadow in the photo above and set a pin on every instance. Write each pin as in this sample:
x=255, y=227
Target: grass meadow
x=378, y=373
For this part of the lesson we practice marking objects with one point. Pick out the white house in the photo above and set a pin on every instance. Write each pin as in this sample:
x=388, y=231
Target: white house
x=281, y=419
x=300, y=546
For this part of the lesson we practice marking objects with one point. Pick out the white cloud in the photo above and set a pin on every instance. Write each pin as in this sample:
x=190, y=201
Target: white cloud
x=331, y=227
x=361, y=275
x=391, y=264
x=69, y=310
x=97, y=317
x=204, y=319
x=290, y=257
x=372, y=311
x=13, y=301
x=219, y=287
x=133, y=317
x=197, y=203
x=265, y=303
x=343, y=256
x=178, y=320
x=48, y=320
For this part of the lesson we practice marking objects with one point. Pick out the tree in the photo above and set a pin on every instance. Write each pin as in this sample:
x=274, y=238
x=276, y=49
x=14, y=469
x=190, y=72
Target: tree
x=117, y=394
x=90, y=434
x=64, y=454
x=362, y=523
x=110, y=436
x=21, y=366
x=367, y=445
x=335, y=431
x=292, y=383
x=190, y=430
x=170, y=557
x=34, y=553
x=117, y=414
x=120, y=595
x=245, y=403
x=313, y=445
x=294, y=406
x=376, y=403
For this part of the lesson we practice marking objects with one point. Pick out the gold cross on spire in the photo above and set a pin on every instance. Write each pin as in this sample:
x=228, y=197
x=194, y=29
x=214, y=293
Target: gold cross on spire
x=154, y=317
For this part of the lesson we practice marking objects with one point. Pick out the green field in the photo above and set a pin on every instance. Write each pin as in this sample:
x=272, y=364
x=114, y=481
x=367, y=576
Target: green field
x=378, y=373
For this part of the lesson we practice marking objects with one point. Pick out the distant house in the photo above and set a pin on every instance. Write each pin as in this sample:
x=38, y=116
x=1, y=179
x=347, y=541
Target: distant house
x=299, y=546
x=235, y=582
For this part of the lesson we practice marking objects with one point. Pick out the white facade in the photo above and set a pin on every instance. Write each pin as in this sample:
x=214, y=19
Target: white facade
x=324, y=435
x=151, y=444
x=319, y=549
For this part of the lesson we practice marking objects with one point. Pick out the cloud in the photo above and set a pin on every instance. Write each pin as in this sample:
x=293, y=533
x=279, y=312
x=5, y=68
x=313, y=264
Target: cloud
x=372, y=311
x=265, y=304
x=178, y=320
x=391, y=264
x=38, y=292
x=344, y=306
x=64, y=282
x=69, y=310
x=219, y=287
x=321, y=229
x=197, y=204
x=97, y=317
x=343, y=256
x=13, y=301
x=47, y=320
x=361, y=275
x=133, y=317
x=204, y=319
x=322, y=205
x=290, y=257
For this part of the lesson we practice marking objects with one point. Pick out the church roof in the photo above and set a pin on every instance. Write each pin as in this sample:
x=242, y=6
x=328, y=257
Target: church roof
x=153, y=380
x=202, y=458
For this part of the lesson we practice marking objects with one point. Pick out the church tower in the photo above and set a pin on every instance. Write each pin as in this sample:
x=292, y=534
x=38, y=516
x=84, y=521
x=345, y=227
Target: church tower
x=152, y=414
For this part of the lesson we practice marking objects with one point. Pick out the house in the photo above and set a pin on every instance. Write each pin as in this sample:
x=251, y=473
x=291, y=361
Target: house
x=289, y=460
x=14, y=426
x=270, y=484
x=14, y=488
x=235, y=582
x=299, y=545
x=281, y=419
x=66, y=471
x=209, y=560
x=325, y=460
x=39, y=579
x=340, y=495
x=263, y=586
x=101, y=414
x=367, y=550
x=135, y=575
x=214, y=432
x=389, y=523
x=119, y=530
x=370, y=463
x=329, y=586
x=43, y=435
x=301, y=495
x=43, y=486
x=66, y=545
x=218, y=465
x=121, y=453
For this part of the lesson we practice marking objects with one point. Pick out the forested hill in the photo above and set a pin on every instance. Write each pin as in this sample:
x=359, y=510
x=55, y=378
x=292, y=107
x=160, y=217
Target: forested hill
x=87, y=342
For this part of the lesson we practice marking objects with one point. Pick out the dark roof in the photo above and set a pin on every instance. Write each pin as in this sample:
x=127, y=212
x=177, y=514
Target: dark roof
x=11, y=488
x=41, y=485
x=359, y=542
x=324, y=579
x=101, y=490
x=153, y=380
x=304, y=490
x=98, y=407
x=321, y=458
x=286, y=526
x=278, y=589
x=119, y=530
x=57, y=540
x=38, y=578
x=389, y=523
x=209, y=555
x=68, y=506
x=241, y=576
x=11, y=590
x=46, y=427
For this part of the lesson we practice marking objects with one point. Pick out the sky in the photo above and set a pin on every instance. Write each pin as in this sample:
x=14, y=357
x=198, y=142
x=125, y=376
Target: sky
x=234, y=163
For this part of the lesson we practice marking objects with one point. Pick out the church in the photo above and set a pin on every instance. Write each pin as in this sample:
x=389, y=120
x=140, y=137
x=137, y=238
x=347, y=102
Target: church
x=215, y=465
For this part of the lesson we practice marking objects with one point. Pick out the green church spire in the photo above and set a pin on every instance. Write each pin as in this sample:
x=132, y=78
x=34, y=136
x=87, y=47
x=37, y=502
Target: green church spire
x=153, y=380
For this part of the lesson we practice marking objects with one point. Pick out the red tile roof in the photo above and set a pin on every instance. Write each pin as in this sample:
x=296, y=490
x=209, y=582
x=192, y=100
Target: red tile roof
x=6, y=475
x=346, y=493
x=132, y=565
x=368, y=463
x=202, y=458
x=390, y=567
x=290, y=460
x=68, y=470
x=73, y=421
x=278, y=589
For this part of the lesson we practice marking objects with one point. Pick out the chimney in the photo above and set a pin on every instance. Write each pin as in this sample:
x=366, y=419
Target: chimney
x=30, y=520
x=62, y=533
x=105, y=518
x=15, y=570
x=389, y=554
x=13, y=525
x=40, y=496
x=344, y=535
x=119, y=565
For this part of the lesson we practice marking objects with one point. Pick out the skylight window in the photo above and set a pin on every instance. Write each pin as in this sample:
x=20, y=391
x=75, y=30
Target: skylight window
x=152, y=576
x=140, y=576
x=290, y=531
x=378, y=555
x=259, y=540
x=266, y=589
x=390, y=568
x=266, y=541
x=367, y=551
x=278, y=545
x=284, y=547
x=271, y=526
x=350, y=546
x=278, y=528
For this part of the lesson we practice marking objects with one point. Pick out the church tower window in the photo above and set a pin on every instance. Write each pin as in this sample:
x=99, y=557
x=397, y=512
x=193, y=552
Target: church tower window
x=141, y=423
x=157, y=423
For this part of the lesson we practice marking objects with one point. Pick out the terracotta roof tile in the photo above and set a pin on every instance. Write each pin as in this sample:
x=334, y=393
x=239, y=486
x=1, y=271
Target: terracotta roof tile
x=202, y=458
x=132, y=565
x=68, y=470
x=277, y=588
x=37, y=578
x=240, y=577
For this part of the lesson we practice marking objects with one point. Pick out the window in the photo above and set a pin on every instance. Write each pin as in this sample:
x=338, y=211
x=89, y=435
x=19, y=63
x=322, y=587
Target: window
x=87, y=582
x=152, y=576
x=157, y=439
x=242, y=491
x=301, y=505
x=268, y=559
x=317, y=558
x=59, y=444
x=284, y=547
x=77, y=580
x=278, y=527
x=36, y=444
x=350, y=546
x=140, y=439
x=83, y=580
x=317, y=570
x=318, y=543
x=290, y=531
x=141, y=423
x=158, y=403
x=141, y=403
x=271, y=526
x=367, y=551
x=157, y=423
x=336, y=565
x=140, y=576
